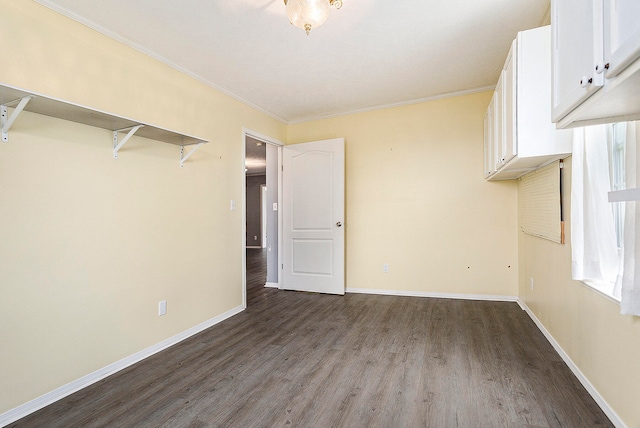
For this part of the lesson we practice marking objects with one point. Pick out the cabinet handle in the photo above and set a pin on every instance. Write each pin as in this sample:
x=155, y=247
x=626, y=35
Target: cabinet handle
x=586, y=81
x=601, y=67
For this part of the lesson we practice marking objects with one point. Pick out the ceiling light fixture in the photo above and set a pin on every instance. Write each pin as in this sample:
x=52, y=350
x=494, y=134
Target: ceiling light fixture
x=308, y=14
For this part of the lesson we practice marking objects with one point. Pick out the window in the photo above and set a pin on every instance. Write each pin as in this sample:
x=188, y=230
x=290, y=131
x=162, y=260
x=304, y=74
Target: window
x=597, y=226
x=605, y=237
x=616, y=142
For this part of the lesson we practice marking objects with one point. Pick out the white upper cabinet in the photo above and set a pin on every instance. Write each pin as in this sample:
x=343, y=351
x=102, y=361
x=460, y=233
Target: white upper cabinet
x=577, y=48
x=509, y=120
x=621, y=35
x=489, y=166
x=521, y=136
x=596, y=71
x=498, y=130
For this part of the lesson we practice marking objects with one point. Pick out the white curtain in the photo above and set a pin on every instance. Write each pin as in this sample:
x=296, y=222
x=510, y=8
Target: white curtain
x=593, y=239
x=630, y=285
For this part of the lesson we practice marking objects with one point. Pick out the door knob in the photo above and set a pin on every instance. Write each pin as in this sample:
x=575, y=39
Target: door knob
x=339, y=224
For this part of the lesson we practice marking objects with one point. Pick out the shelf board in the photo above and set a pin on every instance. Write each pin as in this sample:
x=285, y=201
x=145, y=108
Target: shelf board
x=76, y=113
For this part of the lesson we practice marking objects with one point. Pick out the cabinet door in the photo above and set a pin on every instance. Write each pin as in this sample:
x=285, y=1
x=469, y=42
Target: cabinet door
x=498, y=130
x=577, y=49
x=621, y=34
x=510, y=139
x=488, y=141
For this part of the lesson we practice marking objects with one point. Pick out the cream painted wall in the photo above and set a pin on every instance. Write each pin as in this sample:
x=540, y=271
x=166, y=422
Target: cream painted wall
x=89, y=244
x=603, y=344
x=417, y=200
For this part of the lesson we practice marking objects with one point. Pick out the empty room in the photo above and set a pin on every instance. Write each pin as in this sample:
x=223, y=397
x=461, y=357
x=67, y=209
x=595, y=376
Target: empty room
x=319, y=213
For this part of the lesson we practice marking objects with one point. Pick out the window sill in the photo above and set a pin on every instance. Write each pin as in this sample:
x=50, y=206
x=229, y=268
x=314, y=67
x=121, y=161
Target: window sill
x=603, y=288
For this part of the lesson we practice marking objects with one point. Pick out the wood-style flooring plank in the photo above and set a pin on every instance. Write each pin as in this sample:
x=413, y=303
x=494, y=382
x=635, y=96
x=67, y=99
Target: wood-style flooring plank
x=295, y=359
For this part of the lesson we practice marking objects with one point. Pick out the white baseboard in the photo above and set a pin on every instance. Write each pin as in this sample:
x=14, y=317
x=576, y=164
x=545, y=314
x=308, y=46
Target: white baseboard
x=488, y=297
x=255, y=247
x=615, y=419
x=272, y=285
x=68, y=389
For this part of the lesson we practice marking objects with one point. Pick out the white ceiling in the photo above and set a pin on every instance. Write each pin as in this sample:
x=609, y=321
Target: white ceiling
x=369, y=54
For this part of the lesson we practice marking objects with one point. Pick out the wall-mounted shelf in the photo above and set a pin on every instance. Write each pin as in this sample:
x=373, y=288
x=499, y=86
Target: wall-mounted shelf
x=21, y=100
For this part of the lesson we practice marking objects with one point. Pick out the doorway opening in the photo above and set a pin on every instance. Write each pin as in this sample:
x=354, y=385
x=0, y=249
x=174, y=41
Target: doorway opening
x=262, y=222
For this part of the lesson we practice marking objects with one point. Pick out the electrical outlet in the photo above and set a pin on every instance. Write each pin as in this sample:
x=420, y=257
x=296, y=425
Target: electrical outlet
x=232, y=205
x=531, y=282
x=385, y=268
x=255, y=238
x=162, y=308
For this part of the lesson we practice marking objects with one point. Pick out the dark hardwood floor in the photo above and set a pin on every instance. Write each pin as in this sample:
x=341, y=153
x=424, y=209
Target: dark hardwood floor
x=297, y=359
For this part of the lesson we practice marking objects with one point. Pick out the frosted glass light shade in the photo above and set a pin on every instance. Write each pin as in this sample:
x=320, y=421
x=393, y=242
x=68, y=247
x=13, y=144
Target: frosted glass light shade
x=307, y=14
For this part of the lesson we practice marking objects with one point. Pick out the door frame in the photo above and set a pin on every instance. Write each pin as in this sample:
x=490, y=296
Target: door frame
x=263, y=216
x=246, y=132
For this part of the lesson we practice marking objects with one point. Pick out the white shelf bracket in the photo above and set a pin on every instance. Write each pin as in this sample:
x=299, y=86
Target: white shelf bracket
x=7, y=120
x=183, y=158
x=117, y=146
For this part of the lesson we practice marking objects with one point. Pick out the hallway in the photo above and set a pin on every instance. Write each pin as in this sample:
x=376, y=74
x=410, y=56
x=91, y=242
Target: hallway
x=257, y=276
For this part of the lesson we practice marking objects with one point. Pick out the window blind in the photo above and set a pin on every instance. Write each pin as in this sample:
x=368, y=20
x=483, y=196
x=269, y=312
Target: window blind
x=540, y=203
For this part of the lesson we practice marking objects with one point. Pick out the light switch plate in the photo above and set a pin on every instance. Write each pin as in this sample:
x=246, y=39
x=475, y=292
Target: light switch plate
x=162, y=308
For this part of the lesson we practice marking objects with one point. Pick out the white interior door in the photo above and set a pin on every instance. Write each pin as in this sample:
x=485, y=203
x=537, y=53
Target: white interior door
x=313, y=216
